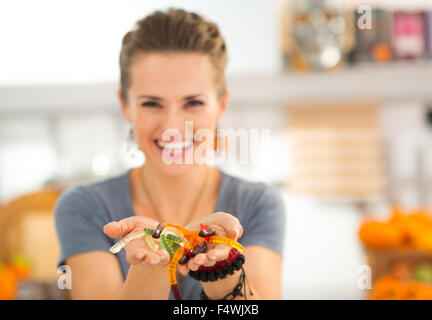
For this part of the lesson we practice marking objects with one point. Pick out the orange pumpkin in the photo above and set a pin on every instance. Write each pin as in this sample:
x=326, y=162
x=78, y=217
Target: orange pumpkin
x=422, y=240
x=418, y=229
x=422, y=218
x=388, y=288
x=8, y=282
x=381, y=235
x=418, y=291
x=401, y=230
x=398, y=217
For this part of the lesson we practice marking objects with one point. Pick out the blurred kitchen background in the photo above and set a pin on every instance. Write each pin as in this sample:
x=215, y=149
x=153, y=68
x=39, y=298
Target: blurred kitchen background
x=344, y=86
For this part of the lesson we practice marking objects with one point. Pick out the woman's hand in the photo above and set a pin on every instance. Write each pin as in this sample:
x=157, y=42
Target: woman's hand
x=225, y=225
x=137, y=252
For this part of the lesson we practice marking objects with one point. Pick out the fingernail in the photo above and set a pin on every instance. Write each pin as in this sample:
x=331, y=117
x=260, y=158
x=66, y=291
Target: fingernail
x=213, y=257
x=139, y=255
x=154, y=261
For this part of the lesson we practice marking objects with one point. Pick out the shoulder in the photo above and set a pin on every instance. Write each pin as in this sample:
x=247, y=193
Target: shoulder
x=81, y=212
x=90, y=197
x=108, y=187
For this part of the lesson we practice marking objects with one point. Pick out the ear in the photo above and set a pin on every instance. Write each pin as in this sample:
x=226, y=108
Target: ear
x=124, y=107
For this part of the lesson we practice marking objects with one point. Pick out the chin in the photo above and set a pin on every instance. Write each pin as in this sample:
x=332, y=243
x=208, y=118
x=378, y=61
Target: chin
x=174, y=170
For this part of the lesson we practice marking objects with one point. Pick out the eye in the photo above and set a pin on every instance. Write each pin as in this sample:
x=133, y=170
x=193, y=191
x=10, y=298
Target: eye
x=150, y=104
x=195, y=103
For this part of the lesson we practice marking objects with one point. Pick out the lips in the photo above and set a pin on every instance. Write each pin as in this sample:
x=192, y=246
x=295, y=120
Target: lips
x=174, y=147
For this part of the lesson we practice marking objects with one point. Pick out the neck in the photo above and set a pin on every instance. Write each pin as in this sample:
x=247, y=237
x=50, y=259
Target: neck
x=174, y=197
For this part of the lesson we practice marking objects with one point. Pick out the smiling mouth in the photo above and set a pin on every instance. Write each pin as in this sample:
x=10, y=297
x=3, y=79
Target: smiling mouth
x=174, y=147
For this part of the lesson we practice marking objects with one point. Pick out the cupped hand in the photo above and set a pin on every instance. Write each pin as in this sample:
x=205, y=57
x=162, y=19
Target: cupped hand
x=225, y=225
x=137, y=251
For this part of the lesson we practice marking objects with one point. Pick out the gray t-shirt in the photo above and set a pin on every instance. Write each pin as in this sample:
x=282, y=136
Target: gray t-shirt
x=82, y=211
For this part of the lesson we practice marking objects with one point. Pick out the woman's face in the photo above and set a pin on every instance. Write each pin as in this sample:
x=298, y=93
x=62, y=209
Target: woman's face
x=168, y=91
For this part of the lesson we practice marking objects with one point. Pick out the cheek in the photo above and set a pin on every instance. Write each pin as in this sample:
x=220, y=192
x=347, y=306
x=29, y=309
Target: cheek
x=144, y=129
x=207, y=123
x=207, y=119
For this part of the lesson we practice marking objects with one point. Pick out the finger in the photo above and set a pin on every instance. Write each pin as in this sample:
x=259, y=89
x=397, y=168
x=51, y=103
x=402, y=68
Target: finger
x=151, y=259
x=218, y=253
x=183, y=269
x=230, y=223
x=137, y=256
x=164, y=257
x=192, y=265
x=209, y=263
x=195, y=225
x=134, y=250
x=200, y=259
x=112, y=229
x=206, y=261
x=119, y=229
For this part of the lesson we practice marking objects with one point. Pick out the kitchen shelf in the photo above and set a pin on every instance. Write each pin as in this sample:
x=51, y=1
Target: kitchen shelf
x=396, y=82
x=392, y=83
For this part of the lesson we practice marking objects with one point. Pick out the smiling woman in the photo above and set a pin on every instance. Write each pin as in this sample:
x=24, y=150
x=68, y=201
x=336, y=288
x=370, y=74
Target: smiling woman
x=166, y=90
x=172, y=74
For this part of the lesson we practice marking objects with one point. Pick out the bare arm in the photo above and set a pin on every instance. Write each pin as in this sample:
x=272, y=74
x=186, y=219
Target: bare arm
x=146, y=283
x=262, y=265
x=97, y=275
x=263, y=272
x=263, y=269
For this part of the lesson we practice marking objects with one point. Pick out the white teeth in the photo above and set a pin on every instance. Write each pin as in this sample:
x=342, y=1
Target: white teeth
x=174, y=146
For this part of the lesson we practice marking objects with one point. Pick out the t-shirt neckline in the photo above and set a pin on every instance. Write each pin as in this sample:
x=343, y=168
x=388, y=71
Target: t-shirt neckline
x=127, y=180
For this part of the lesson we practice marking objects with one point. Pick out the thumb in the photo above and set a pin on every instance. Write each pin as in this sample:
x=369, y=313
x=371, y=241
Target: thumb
x=230, y=224
x=121, y=228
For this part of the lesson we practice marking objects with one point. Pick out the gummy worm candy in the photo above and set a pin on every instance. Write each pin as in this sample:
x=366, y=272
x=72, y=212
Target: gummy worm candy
x=180, y=243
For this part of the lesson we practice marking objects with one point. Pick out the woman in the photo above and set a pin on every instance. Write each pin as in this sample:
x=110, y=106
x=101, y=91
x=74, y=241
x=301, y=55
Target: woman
x=172, y=72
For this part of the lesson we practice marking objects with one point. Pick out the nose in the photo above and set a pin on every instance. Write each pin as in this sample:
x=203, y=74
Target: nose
x=173, y=119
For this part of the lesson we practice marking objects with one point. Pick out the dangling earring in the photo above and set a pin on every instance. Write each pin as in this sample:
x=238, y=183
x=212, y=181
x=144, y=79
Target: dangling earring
x=131, y=146
x=216, y=140
x=219, y=141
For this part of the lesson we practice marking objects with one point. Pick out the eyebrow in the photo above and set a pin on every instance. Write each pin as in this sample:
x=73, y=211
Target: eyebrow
x=159, y=98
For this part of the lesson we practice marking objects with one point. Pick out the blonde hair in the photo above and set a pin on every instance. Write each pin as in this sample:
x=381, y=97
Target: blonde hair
x=175, y=30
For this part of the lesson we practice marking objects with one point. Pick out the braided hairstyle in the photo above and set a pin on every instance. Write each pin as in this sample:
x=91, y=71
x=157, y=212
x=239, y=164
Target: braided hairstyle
x=175, y=30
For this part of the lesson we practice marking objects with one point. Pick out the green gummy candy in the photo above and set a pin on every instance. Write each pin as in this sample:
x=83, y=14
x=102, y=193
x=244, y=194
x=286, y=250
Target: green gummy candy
x=169, y=242
x=173, y=238
x=169, y=245
x=148, y=231
x=165, y=245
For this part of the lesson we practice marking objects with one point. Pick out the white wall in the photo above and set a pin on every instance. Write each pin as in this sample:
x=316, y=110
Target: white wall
x=322, y=253
x=51, y=41
x=26, y=156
